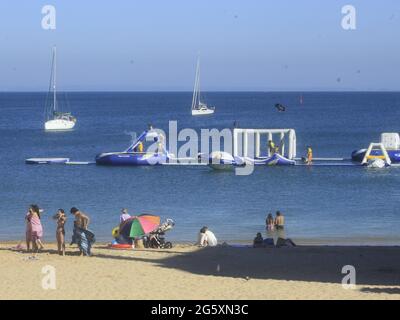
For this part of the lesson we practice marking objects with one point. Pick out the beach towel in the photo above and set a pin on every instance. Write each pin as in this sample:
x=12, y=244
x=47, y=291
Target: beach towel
x=36, y=229
x=84, y=239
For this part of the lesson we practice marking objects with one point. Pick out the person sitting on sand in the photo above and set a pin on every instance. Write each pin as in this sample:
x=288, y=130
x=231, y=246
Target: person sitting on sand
x=207, y=238
x=60, y=231
x=81, y=235
x=124, y=216
x=258, y=241
x=36, y=227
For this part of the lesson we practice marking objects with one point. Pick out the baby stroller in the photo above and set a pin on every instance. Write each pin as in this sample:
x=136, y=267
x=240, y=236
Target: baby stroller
x=156, y=239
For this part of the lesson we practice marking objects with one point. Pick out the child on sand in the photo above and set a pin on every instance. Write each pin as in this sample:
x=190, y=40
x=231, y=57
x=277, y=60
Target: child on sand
x=60, y=231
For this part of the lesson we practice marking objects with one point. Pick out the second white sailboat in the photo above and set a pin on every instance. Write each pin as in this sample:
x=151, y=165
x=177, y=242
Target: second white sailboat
x=199, y=108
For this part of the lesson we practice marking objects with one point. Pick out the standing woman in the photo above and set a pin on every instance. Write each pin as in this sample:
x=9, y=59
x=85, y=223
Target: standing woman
x=60, y=231
x=270, y=222
x=270, y=226
x=36, y=227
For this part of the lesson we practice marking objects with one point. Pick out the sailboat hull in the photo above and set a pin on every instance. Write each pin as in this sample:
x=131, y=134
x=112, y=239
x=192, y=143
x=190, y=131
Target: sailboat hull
x=59, y=124
x=202, y=112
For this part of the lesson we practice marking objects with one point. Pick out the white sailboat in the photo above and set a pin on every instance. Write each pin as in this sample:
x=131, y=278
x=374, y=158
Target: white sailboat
x=55, y=119
x=199, y=108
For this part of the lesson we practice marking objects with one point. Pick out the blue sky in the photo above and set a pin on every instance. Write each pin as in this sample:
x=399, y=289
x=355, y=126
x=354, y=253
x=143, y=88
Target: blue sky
x=244, y=45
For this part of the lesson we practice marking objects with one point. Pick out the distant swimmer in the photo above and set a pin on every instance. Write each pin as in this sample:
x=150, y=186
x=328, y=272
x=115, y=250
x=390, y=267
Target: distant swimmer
x=280, y=107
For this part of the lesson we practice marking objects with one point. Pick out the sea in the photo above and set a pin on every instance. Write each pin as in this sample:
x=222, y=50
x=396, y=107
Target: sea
x=343, y=205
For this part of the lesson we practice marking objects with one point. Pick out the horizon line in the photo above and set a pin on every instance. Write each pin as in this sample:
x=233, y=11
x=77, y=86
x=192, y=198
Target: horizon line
x=210, y=91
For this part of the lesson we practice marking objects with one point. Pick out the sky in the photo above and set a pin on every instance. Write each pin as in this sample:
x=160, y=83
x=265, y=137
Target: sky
x=152, y=45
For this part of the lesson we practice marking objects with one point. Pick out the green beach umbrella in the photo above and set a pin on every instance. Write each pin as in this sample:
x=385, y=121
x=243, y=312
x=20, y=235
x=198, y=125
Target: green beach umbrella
x=139, y=225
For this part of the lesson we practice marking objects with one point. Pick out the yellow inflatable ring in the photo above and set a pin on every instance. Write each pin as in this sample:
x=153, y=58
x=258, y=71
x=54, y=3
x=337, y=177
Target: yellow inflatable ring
x=115, y=232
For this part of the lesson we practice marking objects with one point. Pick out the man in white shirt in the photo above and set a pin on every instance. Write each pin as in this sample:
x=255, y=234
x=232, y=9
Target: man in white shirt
x=211, y=238
x=207, y=238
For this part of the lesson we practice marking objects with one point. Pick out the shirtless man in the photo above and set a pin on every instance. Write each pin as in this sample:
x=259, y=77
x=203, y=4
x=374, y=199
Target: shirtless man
x=81, y=220
x=279, y=221
x=80, y=236
x=280, y=225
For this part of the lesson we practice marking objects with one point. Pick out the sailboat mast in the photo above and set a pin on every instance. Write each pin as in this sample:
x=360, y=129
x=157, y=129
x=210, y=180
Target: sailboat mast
x=196, y=83
x=54, y=80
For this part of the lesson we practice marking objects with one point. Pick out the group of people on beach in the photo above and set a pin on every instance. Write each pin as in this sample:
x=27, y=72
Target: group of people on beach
x=84, y=238
x=275, y=227
x=81, y=235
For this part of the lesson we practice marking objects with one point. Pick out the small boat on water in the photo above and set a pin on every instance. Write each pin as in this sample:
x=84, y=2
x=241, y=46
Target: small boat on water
x=134, y=155
x=55, y=119
x=198, y=107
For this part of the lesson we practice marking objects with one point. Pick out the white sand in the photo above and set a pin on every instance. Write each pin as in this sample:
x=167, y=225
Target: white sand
x=187, y=272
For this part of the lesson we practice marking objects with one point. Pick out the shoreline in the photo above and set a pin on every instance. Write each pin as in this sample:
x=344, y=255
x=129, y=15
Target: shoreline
x=345, y=242
x=190, y=272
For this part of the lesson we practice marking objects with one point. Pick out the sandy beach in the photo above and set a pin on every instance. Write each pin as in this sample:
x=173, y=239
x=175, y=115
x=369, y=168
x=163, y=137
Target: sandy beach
x=188, y=272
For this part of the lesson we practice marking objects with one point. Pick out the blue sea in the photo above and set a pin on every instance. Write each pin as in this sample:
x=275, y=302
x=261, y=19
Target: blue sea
x=343, y=205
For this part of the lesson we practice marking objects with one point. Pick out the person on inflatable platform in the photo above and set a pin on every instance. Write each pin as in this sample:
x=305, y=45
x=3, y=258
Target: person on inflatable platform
x=271, y=147
x=309, y=155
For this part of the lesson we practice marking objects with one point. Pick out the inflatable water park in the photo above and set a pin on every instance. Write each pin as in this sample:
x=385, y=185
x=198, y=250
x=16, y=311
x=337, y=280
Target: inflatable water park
x=254, y=147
